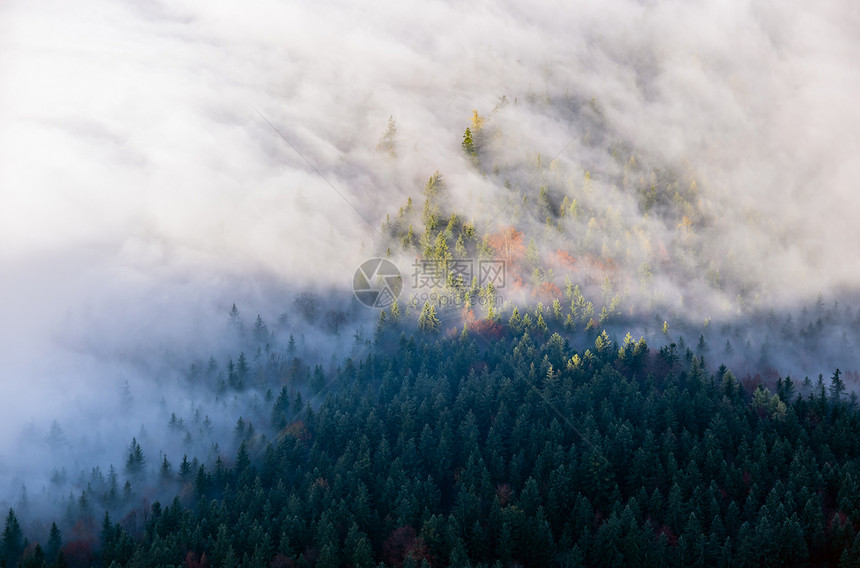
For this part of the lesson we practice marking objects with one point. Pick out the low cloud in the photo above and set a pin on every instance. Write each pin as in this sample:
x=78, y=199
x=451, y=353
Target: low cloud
x=142, y=190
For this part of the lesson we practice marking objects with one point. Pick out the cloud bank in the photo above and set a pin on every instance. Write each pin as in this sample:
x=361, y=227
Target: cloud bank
x=142, y=191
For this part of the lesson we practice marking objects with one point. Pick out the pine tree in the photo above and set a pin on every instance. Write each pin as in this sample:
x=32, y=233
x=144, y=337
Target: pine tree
x=236, y=321
x=165, y=469
x=427, y=320
x=431, y=201
x=107, y=538
x=135, y=461
x=55, y=542
x=469, y=144
x=837, y=387
x=388, y=143
x=241, y=370
x=13, y=540
x=477, y=121
x=243, y=461
x=261, y=331
x=36, y=559
x=185, y=469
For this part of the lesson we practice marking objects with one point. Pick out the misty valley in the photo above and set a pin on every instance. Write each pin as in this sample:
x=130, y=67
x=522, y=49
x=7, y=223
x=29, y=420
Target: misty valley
x=563, y=410
x=424, y=285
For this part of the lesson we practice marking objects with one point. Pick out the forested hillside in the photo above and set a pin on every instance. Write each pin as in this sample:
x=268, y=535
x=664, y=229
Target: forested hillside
x=429, y=284
x=499, y=447
x=517, y=420
x=614, y=238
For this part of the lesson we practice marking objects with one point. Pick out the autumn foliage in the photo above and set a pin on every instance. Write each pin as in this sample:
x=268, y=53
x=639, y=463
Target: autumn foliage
x=508, y=244
x=403, y=544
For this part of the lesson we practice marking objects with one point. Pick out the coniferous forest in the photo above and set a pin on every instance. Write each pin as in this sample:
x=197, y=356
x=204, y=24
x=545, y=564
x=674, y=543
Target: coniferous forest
x=486, y=431
x=497, y=285
x=499, y=448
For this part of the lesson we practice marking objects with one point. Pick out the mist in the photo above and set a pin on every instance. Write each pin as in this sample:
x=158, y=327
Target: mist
x=160, y=162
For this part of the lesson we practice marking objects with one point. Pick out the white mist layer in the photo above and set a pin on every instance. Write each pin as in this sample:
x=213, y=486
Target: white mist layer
x=142, y=192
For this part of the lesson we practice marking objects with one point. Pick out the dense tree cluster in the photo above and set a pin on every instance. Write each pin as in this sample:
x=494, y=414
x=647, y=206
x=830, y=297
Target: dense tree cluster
x=505, y=446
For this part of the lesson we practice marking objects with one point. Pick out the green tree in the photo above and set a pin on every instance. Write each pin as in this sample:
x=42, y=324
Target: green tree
x=432, y=193
x=135, y=460
x=55, y=542
x=427, y=320
x=837, y=387
x=469, y=144
x=13, y=540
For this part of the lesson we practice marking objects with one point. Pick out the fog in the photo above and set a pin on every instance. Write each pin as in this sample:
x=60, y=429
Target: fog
x=144, y=190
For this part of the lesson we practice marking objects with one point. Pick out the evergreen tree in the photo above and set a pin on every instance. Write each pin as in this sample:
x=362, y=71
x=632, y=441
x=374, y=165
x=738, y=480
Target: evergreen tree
x=135, y=461
x=388, y=143
x=13, y=540
x=469, y=144
x=427, y=320
x=55, y=542
x=837, y=386
x=261, y=331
